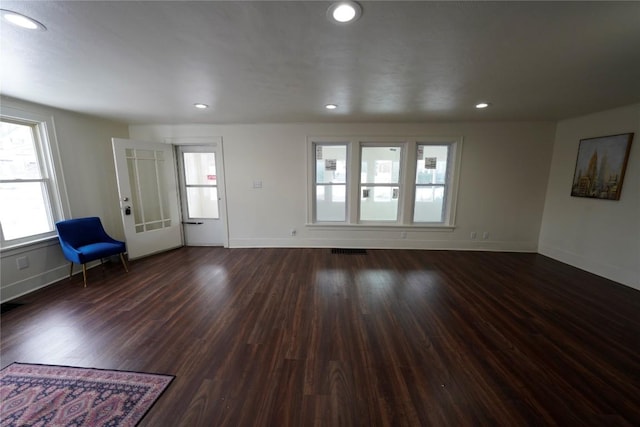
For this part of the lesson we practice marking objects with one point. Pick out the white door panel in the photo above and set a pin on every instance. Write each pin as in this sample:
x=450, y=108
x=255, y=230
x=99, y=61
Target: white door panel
x=149, y=199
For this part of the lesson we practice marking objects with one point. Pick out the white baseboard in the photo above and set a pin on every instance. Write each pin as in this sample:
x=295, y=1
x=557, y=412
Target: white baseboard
x=471, y=245
x=39, y=281
x=616, y=273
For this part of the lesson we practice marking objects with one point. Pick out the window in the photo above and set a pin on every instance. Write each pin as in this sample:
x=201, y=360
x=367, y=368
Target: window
x=201, y=185
x=379, y=182
x=29, y=191
x=431, y=183
x=330, y=182
x=408, y=182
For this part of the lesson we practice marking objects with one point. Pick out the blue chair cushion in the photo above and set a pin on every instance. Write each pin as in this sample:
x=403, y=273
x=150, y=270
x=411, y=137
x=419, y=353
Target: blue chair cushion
x=100, y=250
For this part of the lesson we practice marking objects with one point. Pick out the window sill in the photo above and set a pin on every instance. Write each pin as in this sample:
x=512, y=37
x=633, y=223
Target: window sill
x=28, y=246
x=380, y=227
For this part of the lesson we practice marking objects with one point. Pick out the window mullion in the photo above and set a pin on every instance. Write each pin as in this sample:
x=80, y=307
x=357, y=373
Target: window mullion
x=407, y=178
x=353, y=182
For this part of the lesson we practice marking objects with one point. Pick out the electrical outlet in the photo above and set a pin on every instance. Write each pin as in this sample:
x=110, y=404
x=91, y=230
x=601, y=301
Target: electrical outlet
x=22, y=262
x=403, y=234
x=485, y=235
x=474, y=235
x=293, y=231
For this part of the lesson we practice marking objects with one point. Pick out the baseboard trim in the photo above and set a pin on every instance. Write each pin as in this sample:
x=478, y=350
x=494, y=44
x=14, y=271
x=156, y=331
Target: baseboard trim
x=616, y=273
x=457, y=245
x=39, y=281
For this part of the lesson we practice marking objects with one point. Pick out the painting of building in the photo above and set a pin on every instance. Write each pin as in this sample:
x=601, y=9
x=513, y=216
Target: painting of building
x=600, y=166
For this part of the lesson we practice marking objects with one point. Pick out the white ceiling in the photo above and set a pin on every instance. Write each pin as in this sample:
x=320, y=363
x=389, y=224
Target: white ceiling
x=260, y=62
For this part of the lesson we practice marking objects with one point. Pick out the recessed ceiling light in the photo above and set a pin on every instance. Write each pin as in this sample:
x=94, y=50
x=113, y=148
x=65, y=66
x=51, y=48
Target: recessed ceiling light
x=21, y=21
x=344, y=11
x=482, y=105
x=201, y=106
x=331, y=106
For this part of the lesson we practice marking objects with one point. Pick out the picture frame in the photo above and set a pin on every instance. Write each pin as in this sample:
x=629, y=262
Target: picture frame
x=600, y=166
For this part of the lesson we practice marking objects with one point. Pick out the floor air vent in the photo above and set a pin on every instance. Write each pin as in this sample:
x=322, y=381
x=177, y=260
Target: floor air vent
x=349, y=251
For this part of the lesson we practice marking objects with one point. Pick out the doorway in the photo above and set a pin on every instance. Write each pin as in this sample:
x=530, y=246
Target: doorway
x=202, y=192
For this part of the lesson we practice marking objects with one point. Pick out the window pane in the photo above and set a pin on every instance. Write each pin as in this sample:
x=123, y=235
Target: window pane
x=153, y=226
x=331, y=164
x=202, y=202
x=331, y=202
x=162, y=183
x=148, y=181
x=32, y=215
x=200, y=168
x=429, y=204
x=380, y=165
x=149, y=190
x=18, y=156
x=135, y=201
x=145, y=154
x=432, y=164
x=379, y=203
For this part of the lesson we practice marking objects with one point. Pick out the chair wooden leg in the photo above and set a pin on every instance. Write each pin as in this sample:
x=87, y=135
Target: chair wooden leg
x=84, y=274
x=71, y=271
x=124, y=264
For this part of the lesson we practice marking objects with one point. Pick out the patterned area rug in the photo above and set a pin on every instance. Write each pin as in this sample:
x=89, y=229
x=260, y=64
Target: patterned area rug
x=45, y=395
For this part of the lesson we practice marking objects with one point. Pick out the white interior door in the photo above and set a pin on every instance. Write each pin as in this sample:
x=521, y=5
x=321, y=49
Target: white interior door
x=202, y=194
x=148, y=192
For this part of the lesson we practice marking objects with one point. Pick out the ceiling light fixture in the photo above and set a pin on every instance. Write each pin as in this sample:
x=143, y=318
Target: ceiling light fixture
x=344, y=12
x=201, y=106
x=482, y=105
x=331, y=106
x=21, y=20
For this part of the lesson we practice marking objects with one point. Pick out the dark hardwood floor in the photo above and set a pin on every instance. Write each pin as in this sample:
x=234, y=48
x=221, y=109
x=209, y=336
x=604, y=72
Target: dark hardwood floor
x=303, y=337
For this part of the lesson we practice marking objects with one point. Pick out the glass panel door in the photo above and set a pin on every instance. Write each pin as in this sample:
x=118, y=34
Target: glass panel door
x=201, y=175
x=147, y=189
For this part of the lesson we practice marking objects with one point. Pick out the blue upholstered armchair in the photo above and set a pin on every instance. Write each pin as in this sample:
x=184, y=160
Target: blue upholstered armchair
x=84, y=239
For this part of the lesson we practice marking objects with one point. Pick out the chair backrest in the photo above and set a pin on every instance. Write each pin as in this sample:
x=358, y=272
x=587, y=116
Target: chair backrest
x=81, y=231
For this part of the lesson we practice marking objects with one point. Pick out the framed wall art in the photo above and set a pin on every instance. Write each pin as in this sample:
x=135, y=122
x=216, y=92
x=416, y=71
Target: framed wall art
x=600, y=166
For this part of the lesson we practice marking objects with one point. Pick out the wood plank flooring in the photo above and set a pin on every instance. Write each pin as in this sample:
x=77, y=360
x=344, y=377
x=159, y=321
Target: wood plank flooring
x=303, y=337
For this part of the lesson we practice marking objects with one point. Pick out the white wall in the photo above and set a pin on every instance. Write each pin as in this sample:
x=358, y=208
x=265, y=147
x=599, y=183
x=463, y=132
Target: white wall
x=502, y=183
x=84, y=143
x=600, y=236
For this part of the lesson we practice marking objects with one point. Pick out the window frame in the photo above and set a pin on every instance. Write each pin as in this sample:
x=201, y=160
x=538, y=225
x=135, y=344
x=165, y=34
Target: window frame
x=447, y=182
x=401, y=184
x=313, y=178
x=48, y=154
x=407, y=182
x=186, y=186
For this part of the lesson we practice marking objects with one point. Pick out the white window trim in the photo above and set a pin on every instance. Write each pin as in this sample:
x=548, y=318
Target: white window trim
x=407, y=182
x=50, y=155
x=311, y=177
x=402, y=179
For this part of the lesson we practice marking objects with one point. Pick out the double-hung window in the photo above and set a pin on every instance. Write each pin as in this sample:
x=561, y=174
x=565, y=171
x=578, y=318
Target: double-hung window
x=330, y=182
x=30, y=200
x=432, y=180
x=379, y=182
x=407, y=182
